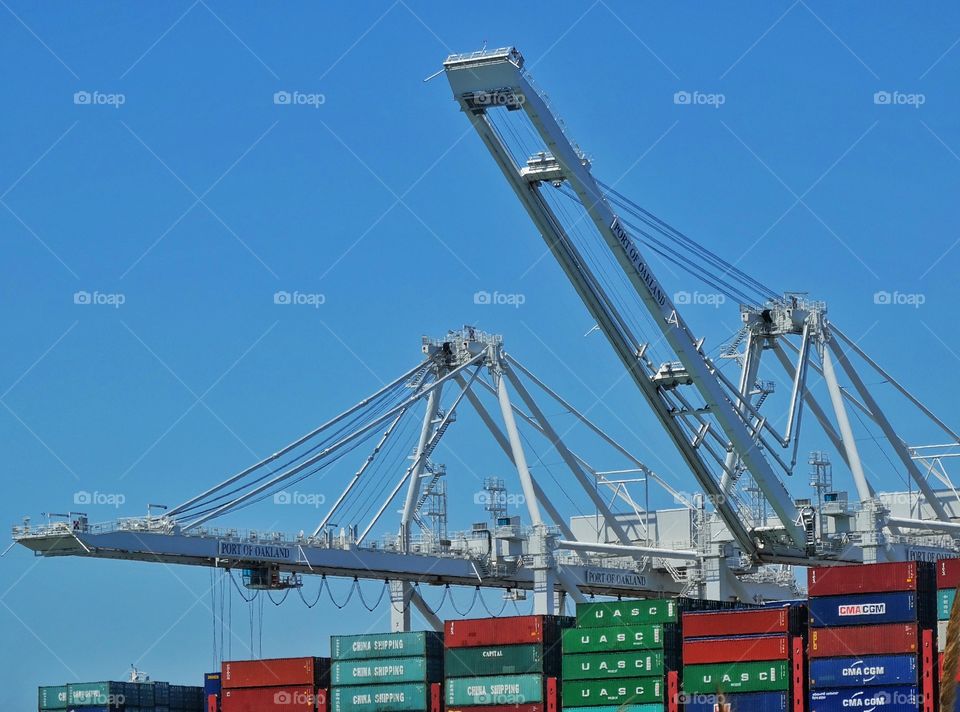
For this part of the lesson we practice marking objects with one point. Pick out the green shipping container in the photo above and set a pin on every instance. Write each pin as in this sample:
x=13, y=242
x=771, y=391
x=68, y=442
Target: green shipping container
x=649, y=707
x=945, y=603
x=493, y=660
x=603, y=615
x=374, y=646
x=600, y=640
x=583, y=693
x=736, y=677
x=96, y=693
x=407, y=697
x=52, y=697
x=499, y=690
x=389, y=670
x=596, y=666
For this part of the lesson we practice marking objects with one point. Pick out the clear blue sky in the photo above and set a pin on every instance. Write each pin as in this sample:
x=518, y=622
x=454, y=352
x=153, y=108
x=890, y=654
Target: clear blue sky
x=198, y=198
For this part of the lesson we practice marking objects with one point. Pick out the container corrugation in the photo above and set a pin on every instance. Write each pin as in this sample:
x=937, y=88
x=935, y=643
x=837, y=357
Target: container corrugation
x=904, y=698
x=405, y=697
x=945, y=603
x=52, y=697
x=291, y=698
x=863, y=640
x=870, y=578
x=600, y=666
x=760, y=621
x=641, y=611
x=161, y=694
x=867, y=670
x=512, y=630
x=147, y=693
x=749, y=702
x=870, y=609
x=598, y=640
x=583, y=693
x=733, y=650
x=373, y=646
x=502, y=660
x=531, y=707
x=272, y=673
x=96, y=693
x=496, y=690
x=948, y=573
x=386, y=671
x=771, y=676
x=211, y=685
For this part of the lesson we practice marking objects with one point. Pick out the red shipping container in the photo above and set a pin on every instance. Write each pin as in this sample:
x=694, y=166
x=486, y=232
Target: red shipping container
x=512, y=630
x=275, y=672
x=948, y=573
x=762, y=621
x=289, y=698
x=864, y=640
x=863, y=578
x=736, y=650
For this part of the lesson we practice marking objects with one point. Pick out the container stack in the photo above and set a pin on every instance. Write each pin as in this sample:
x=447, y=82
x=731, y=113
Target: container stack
x=289, y=684
x=500, y=664
x=211, y=691
x=865, y=635
x=120, y=697
x=744, y=660
x=385, y=672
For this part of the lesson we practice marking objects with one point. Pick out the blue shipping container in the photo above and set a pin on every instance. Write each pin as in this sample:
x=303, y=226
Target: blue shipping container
x=863, y=609
x=752, y=702
x=211, y=684
x=882, y=670
x=884, y=699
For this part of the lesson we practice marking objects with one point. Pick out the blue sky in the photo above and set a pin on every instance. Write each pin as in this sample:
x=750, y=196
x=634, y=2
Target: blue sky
x=184, y=188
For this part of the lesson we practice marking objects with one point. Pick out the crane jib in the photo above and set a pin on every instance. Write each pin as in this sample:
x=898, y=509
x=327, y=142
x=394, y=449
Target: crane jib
x=633, y=254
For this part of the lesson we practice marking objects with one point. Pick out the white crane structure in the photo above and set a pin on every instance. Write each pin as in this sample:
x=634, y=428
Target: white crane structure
x=734, y=539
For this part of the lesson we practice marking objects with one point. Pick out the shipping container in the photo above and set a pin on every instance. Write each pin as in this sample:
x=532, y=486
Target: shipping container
x=770, y=676
x=879, y=670
x=161, y=694
x=598, y=640
x=511, y=630
x=945, y=602
x=759, y=621
x=386, y=671
x=502, y=660
x=498, y=690
x=532, y=707
x=373, y=646
x=211, y=684
x=948, y=573
x=864, y=640
x=870, y=609
x=147, y=694
x=292, y=698
x=887, y=699
x=750, y=702
x=52, y=697
x=109, y=694
x=643, y=611
x=870, y=578
x=595, y=666
x=702, y=651
x=403, y=697
x=648, y=707
x=582, y=693
x=272, y=673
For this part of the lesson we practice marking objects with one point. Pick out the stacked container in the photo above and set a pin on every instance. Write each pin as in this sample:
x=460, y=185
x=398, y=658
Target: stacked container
x=120, y=697
x=500, y=664
x=865, y=635
x=211, y=691
x=744, y=660
x=385, y=672
x=617, y=656
x=289, y=684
